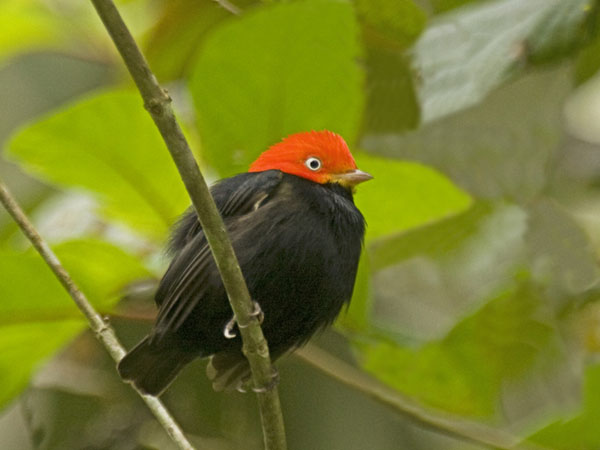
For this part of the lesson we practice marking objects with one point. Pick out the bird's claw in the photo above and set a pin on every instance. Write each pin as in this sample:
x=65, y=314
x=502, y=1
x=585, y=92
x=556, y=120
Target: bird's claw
x=229, y=326
x=270, y=385
x=228, y=330
x=245, y=384
x=258, y=312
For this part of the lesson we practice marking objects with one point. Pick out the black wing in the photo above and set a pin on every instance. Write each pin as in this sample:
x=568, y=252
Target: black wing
x=192, y=264
x=233, y=196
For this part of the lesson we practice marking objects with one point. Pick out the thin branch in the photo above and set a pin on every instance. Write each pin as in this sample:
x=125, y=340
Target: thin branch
x=102, y=330
x=428, y=417
x=158, y=104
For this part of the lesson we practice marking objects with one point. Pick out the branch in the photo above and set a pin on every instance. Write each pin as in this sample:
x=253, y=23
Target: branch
x=158, y=104
x=105, y=334
x=434, y=419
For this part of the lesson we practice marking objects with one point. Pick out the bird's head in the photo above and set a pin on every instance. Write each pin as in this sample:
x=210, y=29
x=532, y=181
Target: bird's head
x=319, y=156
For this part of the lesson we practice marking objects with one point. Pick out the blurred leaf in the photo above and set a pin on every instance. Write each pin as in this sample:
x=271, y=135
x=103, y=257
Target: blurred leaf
x=175, y=38
x=26, y=25
x=465, y=54
x=392, y=104
x=357, y=315
x=427, y=280
x=559, y=33
x=100, y=269
x=404, y=195
x=561, y=255
x=588, y=60
x=109, y=145
x=581, y=431
x=441, y=6
x=37, y=316
x=398, y=20
x=24, y=345
x=497, y=150
x=284, y=68
x=466, y=371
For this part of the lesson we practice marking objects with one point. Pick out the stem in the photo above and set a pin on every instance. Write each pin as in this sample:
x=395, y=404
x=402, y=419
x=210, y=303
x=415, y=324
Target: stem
x=434, y=419
x=103, y=331
x=158, y=104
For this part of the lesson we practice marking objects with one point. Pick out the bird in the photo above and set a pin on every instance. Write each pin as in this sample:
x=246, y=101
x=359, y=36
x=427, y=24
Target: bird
x=298, y=237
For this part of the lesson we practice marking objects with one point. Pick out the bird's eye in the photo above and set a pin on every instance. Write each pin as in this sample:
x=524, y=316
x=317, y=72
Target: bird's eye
x=313, y=163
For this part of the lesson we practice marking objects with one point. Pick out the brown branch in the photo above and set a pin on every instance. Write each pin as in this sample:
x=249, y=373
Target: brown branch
x=104, y=333
x=158, y=104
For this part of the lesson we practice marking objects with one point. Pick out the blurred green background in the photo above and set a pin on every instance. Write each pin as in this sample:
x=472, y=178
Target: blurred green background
x=478, y=293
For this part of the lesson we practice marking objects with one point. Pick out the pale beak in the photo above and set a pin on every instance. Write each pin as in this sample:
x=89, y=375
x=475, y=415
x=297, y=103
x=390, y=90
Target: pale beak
x=353, y=177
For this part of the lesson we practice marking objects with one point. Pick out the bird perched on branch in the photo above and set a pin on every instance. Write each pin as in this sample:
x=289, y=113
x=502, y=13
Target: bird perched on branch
x=297, y=235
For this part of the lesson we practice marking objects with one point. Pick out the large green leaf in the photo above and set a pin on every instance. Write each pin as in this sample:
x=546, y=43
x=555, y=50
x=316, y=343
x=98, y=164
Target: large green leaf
x=404, y=195
x=26, y=25
x=36, y=314
x=471, y=370
x=176, y=36
x=465, y=54
x=278, y=70
x=23, y=346
x=428, y=279
x=109, y=145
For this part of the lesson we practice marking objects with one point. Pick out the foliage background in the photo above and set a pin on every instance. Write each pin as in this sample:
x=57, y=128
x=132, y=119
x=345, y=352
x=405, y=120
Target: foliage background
x=478, y=292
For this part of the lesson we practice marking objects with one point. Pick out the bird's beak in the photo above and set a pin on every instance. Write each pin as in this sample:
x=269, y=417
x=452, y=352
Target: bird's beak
x=353, y=177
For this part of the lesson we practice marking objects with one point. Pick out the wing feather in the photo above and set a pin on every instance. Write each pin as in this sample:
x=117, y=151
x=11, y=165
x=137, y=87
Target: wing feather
x=185, y=283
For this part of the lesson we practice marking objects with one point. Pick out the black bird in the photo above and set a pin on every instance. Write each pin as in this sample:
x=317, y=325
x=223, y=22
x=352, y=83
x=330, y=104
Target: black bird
x=297, y=235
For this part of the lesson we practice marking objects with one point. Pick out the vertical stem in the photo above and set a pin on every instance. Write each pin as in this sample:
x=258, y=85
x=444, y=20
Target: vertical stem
x=158, y=104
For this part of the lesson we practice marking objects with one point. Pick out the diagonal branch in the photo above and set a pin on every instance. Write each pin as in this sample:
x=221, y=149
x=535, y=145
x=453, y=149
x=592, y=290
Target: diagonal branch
x=102, y=330
x=437, y=420
x=158, y=104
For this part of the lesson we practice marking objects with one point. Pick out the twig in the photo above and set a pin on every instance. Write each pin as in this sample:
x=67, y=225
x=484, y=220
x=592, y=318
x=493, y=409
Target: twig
x=102, y=330
x=158, y=104
x=434, y=419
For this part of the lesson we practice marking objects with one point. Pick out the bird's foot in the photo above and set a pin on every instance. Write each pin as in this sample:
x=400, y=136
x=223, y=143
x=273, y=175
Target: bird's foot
x=228, y=330
x=257, y=313
x=271, y=384
x=245, y=385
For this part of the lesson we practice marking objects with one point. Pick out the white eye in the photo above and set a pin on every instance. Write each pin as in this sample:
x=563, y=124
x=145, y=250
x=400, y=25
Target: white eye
x=313, y=163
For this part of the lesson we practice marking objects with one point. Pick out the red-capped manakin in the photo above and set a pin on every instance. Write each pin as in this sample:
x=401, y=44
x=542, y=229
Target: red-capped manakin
x=297, y=235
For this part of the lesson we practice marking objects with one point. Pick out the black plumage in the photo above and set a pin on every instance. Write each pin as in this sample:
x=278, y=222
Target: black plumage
x=298, y=243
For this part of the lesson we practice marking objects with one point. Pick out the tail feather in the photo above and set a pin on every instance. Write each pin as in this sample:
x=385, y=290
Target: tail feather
x=151, y=367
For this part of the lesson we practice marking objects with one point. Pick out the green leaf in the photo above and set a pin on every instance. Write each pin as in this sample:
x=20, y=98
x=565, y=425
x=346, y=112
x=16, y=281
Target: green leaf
x=25, y=25
x=588, y=60
x=108, y=145
x=24, y=346
x=579, y=431
x=398, y=20
x=465, y=54
x=404, y=195
x=281, y=69
x=427, y=280
x=468, y=371
x=37, y=316
x=567, y=266
x=392, y=105
x=500, y=149
x=175, y=38
x=441, y=6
